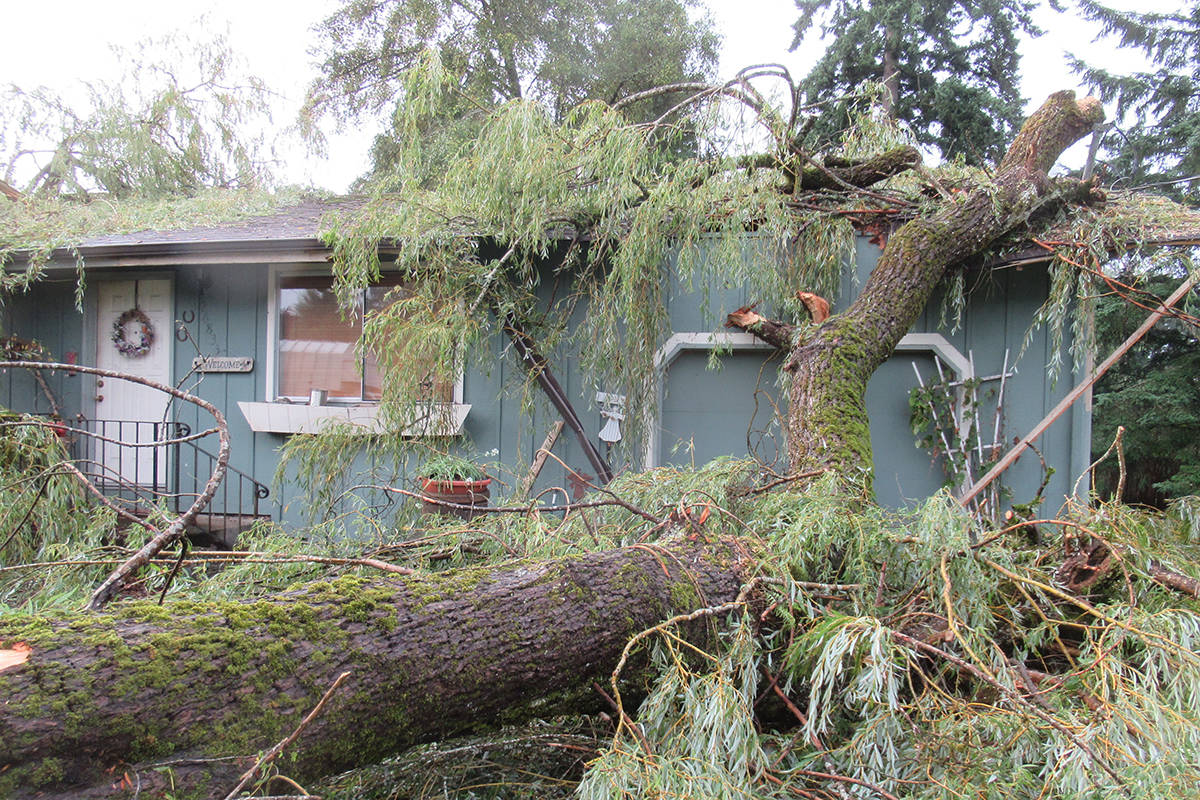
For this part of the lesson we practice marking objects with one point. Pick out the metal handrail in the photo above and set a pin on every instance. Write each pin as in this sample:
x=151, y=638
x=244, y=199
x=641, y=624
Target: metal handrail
x=132, y=459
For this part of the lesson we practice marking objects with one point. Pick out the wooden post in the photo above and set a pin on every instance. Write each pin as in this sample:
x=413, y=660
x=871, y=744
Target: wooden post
x=539, y=460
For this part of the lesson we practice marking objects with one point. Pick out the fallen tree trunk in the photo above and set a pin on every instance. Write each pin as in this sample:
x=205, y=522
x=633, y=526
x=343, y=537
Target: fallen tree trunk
x=185, y=695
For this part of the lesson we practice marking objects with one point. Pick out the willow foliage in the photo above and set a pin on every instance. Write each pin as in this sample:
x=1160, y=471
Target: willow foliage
x=1085, y=243
x=37, y=495
x=921, y=654
x=579, y=229
x=183, y=116
x=956, y=670
x=31, y=230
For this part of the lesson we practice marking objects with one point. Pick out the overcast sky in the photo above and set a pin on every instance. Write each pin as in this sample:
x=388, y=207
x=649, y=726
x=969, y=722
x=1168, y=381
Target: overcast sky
x=58, y=43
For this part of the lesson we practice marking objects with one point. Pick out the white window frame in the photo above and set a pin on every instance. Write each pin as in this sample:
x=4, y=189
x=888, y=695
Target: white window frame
x=277, y=414
x=933, y=343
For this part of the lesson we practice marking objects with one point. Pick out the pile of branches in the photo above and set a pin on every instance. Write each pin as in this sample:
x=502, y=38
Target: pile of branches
x=826, y=648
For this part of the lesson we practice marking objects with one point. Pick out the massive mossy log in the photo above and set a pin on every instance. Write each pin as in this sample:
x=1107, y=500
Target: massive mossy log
x=827, y=419
x=100, y=699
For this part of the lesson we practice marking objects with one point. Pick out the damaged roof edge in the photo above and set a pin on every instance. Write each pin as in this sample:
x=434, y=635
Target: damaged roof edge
x=207, y=252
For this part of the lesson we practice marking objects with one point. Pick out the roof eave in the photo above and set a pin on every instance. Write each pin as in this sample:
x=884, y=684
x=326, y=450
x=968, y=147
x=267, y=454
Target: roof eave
x=159, y=254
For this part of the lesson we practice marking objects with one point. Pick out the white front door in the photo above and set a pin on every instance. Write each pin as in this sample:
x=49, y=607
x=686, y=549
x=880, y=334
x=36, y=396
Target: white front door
x=125, y=411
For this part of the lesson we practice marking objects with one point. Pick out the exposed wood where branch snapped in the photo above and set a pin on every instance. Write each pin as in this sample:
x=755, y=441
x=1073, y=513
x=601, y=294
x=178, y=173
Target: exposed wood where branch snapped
x=773, y=332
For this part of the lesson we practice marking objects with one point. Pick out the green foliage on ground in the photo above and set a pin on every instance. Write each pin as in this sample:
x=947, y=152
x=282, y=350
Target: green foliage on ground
x=45, y=516
x=920, y=653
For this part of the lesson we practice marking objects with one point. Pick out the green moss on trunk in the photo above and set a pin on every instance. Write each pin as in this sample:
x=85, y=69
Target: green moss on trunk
x=430, y=657
x=827, y=421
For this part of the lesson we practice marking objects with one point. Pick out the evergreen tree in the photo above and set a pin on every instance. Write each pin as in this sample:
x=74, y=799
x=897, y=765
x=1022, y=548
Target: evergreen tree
x=1158, y=139
x=950, y=67
x=555, y=52
x=1154, y=391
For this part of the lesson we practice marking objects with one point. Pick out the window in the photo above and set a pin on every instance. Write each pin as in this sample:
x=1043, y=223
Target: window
x=313, y=347
x=316, y=346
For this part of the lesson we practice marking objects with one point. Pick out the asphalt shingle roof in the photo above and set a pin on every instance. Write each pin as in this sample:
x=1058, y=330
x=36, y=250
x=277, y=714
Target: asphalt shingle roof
x=301, y=221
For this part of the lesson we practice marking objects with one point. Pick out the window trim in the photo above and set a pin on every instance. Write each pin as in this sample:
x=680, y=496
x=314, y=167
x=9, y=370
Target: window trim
x=274, y=274
x=287, y=415
x=705, y=340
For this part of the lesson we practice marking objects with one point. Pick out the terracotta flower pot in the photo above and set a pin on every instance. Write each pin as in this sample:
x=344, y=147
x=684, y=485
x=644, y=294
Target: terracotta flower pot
x=465, y=495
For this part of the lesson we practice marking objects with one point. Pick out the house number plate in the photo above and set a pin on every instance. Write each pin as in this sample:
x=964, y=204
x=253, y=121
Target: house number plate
x=223, y=364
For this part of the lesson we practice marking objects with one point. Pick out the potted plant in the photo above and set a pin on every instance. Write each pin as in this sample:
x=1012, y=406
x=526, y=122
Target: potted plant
x=453, y=479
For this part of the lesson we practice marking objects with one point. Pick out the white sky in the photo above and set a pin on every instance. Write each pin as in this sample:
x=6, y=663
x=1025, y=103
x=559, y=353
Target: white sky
x=58, y=43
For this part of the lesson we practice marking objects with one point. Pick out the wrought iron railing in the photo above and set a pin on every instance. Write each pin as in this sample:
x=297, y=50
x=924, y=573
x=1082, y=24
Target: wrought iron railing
x=140, y=462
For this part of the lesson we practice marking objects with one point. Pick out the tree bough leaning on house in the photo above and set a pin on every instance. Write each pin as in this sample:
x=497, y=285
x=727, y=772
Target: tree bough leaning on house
x=618, y=216
x=906, y=660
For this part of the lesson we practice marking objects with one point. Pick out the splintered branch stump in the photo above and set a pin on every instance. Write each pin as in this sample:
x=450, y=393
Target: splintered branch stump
x=96, y=700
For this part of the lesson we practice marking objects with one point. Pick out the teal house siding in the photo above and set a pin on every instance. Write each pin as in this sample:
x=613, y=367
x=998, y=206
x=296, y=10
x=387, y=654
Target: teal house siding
x=45, y=314
x=730, y=410
x=221, y=304
x=221, y=310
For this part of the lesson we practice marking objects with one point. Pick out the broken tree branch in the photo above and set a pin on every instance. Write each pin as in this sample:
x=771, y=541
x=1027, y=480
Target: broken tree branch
x=539, y=460
x=434, y=656
x=859, y=174
x=773, y=332
x=539, y=368
x=176, y=530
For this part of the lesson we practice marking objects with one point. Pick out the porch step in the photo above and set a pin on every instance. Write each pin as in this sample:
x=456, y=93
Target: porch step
x=221, y=530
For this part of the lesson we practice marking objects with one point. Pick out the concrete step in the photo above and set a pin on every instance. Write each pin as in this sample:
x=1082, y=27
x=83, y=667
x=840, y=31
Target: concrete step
x=222, y=530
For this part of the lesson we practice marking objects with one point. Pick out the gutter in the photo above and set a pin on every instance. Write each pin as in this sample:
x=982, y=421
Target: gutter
x=158, y=254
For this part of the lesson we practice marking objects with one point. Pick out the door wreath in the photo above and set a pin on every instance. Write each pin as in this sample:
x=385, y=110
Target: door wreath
x=143, y=338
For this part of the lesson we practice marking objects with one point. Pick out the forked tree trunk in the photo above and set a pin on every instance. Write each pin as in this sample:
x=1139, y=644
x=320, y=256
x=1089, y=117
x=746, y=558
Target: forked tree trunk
x=827, y=419
x=102, y=697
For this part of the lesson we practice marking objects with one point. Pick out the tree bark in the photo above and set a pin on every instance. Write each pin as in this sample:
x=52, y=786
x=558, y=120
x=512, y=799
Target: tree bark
x=891, y=70
x=839, y=173
x=827, y=419
x=835, y=174
x=149, y=698
x=96, y=703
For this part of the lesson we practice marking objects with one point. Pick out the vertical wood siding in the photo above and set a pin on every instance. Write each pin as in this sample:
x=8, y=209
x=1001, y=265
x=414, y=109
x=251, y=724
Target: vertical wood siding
x=228, y=305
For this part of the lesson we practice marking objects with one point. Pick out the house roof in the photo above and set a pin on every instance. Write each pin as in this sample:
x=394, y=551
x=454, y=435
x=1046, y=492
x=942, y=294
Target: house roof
x=289, y=234
x=300, y=221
